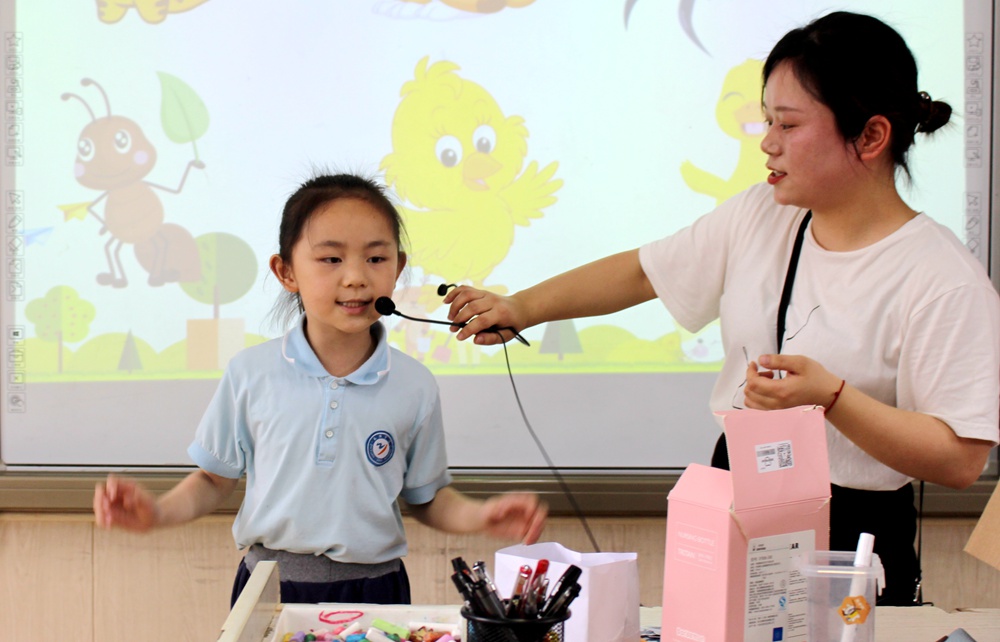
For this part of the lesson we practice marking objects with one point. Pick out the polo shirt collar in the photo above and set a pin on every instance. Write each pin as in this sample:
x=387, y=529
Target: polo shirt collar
x=297, y=351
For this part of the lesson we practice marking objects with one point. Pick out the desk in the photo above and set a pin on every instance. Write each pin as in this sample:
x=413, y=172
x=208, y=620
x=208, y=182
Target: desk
x=255, y=614
x=908, y=624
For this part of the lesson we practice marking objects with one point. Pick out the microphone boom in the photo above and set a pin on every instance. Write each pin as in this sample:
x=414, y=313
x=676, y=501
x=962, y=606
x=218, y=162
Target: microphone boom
x=385, y=306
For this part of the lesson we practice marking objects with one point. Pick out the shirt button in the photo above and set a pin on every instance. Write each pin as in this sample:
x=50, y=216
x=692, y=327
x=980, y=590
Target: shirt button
x=329, y=433
x=333, y=404
x=334, y=385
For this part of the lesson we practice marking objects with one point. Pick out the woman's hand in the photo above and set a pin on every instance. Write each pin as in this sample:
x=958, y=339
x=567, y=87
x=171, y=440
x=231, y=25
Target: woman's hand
x=804, y=383
x=485, y=314
x=122, y=502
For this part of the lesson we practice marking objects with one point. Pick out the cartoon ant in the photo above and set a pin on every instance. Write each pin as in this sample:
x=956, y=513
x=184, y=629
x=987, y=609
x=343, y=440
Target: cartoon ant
x=114, y=155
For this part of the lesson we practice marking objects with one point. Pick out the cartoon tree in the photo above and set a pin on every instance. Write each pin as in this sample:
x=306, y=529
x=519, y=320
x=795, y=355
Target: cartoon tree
x=60, y=316
x=130, y=355
x=228, y=270
x=560, y=338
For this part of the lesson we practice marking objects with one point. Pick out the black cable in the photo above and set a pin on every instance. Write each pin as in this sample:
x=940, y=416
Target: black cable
x=545, y=454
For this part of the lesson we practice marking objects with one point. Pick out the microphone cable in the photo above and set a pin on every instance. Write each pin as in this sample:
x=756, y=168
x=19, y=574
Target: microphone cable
x=386, y=307
x=548, y=460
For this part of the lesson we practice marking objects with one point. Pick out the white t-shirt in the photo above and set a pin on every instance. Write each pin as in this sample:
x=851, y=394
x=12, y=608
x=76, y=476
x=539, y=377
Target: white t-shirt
x=912, y=320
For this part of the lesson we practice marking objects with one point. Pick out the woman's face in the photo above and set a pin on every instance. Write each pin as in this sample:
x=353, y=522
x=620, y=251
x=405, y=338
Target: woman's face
x=811, y=164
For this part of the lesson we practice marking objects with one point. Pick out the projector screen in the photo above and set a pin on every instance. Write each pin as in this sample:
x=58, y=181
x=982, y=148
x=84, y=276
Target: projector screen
x=599, y=126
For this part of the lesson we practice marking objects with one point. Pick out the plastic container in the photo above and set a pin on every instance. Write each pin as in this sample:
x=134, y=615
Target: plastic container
x=538, y=629
x=841, y=596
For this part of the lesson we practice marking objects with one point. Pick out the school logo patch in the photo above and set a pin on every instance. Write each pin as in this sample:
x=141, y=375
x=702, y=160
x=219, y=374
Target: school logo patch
x=380, y=447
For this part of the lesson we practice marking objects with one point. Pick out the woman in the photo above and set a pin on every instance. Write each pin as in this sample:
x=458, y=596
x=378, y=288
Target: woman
x=887, y=320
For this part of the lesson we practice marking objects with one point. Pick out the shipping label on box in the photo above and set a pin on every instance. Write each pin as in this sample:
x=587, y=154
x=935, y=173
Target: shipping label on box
x=731, y=536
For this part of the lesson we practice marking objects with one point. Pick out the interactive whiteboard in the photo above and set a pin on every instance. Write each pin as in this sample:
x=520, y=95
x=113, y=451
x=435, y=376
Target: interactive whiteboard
x=149, y=147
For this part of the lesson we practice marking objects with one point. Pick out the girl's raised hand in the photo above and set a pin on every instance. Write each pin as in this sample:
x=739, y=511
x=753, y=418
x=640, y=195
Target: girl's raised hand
x=122, y=502
x=519, y=516
x=481, y=310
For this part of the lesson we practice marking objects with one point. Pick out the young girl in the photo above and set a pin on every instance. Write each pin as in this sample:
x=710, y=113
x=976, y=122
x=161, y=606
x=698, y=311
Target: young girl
x=329, y=424
x=891, y=325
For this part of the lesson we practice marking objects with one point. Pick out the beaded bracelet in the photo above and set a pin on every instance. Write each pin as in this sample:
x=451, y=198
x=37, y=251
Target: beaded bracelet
x=836, y=396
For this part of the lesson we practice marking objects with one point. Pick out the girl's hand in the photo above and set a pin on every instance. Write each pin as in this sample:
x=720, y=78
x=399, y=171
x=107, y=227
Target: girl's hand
x=805, y=383
x=519, y=516
x=122, y=502
x=481, y=310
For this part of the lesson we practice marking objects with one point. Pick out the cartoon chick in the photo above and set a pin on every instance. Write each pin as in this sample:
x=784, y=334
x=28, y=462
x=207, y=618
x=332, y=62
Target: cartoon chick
x=739, y=115
x=152, y=11
x=457, y=161
x=480, y=6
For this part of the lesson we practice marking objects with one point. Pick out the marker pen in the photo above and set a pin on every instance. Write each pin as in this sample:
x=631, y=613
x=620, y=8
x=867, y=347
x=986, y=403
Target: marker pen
x=489, y=601
x=460, y=566
x=462, y=588
x=541, y=592
x=563, y=584
x=479, y=570
x=540, y=570
x=531, y=603
x=517, y=594
x=561, y=603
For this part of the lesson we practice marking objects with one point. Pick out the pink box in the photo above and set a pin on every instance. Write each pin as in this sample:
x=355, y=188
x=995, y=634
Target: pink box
x=731, y=536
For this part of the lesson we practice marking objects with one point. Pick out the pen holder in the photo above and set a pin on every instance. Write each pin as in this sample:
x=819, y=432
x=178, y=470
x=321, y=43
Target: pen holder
x=492, y=629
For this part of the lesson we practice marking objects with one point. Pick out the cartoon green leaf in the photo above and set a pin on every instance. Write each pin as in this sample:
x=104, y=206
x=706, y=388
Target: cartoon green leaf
x=184, y=115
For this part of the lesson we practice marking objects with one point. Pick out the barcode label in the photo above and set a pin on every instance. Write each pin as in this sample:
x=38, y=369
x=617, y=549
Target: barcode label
x=772, y=457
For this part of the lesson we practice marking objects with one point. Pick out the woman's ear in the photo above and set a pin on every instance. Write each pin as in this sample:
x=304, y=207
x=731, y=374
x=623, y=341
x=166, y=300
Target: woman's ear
x=283, y=272
x=875, y=138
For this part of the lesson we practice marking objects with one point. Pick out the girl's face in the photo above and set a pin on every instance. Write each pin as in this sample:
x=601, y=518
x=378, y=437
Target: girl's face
x=345, y=259
x=811, y=164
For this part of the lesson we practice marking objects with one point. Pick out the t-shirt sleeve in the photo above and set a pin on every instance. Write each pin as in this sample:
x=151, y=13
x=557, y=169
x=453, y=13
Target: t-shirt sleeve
x=426, y=459
x=688, y=268
x=949, y=364
x=220, y=443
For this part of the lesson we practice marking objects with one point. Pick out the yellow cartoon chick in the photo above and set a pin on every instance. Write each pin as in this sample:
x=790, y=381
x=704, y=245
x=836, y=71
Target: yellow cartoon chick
x=479, y=6
x=456, y=162
x=739, y=115
x=152, y=11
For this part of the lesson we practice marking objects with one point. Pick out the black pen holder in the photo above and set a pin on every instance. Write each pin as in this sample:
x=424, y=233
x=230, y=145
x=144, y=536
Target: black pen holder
x=493, y=629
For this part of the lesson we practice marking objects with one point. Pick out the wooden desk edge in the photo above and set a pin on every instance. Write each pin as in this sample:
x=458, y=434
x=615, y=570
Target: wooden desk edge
x=597, y=494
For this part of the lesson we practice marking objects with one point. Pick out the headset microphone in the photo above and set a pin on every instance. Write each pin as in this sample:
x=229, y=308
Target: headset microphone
x=444, y=287
x=385, y=307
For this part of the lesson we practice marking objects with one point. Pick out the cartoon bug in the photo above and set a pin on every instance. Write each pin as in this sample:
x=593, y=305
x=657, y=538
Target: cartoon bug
x=114, y=155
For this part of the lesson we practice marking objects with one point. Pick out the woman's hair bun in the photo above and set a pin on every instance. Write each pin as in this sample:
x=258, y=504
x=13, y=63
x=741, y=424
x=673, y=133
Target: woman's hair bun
x=931, y=114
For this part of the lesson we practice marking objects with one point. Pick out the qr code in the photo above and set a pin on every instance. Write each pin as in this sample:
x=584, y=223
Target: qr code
x=785, y=454
x=776, y=456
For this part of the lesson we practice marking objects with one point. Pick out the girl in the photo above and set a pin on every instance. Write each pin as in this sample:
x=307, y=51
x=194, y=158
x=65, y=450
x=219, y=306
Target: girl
x=891, y=323
x=329, y=424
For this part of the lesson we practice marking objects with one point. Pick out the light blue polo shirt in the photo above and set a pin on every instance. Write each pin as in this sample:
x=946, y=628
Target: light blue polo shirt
x=325, y=457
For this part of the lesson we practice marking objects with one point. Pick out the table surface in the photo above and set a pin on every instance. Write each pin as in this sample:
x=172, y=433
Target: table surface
x=259, y=605
x=909, y=624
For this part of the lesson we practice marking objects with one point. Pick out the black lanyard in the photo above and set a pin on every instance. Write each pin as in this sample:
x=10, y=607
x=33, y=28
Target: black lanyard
x=786, y=292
